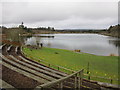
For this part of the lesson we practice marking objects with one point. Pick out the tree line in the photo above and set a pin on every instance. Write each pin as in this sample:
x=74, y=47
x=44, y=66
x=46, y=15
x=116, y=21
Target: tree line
x=43, y=28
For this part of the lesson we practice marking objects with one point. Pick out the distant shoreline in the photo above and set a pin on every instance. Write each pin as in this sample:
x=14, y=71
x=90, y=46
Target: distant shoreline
x=67, y=32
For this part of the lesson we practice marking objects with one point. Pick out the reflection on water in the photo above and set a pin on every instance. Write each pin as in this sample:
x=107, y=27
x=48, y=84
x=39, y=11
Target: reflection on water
x=115, y=42
x=89, y=43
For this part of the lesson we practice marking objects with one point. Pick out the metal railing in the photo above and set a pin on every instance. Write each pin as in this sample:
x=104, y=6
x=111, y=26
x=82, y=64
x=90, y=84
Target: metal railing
x=77, y=76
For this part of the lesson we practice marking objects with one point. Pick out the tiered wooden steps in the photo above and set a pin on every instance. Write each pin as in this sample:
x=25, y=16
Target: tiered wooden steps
x=21, y=72
x=25, y=69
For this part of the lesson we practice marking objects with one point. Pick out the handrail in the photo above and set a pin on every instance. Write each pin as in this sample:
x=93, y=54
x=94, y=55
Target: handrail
x=78, y=74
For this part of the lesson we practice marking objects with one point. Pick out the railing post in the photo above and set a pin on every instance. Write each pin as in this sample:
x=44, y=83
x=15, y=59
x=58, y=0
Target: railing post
x=111, y=81
x=49, y=65
x=89, y=77
x=75, y=81
x=61, y=85
x=58, y=68
x=79, y=76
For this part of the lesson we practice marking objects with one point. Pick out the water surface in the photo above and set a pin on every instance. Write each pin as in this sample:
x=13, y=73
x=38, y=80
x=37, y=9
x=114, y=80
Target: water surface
x=88, y=43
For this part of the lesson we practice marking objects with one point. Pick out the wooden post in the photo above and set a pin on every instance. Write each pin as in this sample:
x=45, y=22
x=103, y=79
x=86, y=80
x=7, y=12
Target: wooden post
x=49, y=65
x=89, y=77
x=79, y=81
x=58, y=68
x=81, y=78
x=88, y=68
x=75, y=81
x=61, y=85
x=111, y=81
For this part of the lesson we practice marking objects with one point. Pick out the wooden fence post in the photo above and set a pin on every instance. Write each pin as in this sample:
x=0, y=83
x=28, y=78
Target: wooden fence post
x=111, y=81
x=75, y=81
x=58, y=68
x=89, y=77
x=49, y=65
x=79, y=76
x=61, y=85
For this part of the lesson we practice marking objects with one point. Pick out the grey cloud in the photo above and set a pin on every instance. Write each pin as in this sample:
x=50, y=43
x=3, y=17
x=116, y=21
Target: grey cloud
x=62, y=14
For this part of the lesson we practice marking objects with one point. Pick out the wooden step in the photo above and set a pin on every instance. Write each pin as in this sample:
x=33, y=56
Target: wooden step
x=8, y=49
x=2, y=46
x=22, y=71
x=36, y=63
x=36, y=68
x=37, y=73
x=45, y=68
x=12, y=50
x=26, y=73
x=17, y=79
x=4, y=49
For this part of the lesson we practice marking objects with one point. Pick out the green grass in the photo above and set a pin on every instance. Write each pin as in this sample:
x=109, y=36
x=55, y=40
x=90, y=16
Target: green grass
x=104, y=66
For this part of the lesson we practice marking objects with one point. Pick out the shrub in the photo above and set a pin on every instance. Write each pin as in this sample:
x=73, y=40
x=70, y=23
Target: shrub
x=112, y=54
x=77, y=50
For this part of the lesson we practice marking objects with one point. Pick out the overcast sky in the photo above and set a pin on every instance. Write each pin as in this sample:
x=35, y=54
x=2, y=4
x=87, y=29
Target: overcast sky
x=61, y=15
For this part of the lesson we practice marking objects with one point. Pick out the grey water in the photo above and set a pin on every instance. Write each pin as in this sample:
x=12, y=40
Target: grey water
x=88, y=43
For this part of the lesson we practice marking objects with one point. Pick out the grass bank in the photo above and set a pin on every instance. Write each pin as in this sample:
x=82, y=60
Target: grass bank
x=104, y=66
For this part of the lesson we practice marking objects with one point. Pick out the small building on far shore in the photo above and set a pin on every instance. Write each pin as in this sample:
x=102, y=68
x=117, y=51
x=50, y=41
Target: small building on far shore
x=21, y=26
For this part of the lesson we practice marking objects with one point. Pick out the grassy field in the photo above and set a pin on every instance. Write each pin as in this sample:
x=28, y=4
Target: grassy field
x=104, y=66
